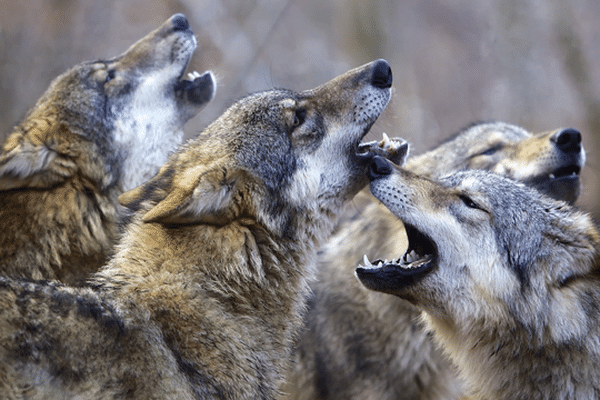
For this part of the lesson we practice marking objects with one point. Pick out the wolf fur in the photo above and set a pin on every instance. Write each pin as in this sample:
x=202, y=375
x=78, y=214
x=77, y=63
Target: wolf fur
x=509, y=281
x=359, y=344
x=207, y=288
x=102, y=127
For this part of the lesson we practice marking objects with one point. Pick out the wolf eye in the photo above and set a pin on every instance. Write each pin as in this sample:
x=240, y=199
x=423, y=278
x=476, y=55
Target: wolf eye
x=110, y=75
x=469, y=202
x=490, y=151
x=299, y=117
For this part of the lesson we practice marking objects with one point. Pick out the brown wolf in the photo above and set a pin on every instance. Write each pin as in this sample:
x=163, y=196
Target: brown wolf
x=102, y=127
x=509, y=281
x=359, y=344
x=206, y=290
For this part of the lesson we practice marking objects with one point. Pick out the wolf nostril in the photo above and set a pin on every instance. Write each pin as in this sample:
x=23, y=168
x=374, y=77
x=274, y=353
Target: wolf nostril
x=379, y=167
x=180, y=22
x=568, y=140
x=382, y=74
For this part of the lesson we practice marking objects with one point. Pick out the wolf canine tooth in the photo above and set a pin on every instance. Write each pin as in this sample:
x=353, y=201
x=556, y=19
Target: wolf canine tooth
x=386, y=142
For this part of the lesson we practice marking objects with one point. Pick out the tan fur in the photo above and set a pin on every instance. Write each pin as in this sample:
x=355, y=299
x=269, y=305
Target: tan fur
x=206, y=291
x=509, y=281
x=101, y=127
x=361, y=344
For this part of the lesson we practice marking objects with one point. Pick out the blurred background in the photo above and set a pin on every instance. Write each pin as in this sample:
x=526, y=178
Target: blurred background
x=534, y=63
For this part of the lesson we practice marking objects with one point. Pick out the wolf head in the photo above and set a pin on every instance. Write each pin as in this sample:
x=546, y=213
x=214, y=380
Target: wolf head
x=112, y=121
x=548, y=161
x=483, y=247
x=279, y=157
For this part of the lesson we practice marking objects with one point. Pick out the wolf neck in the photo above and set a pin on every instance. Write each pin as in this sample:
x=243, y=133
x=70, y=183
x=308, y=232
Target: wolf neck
x=239, y=257
x=508, y=363
x=235, y=284
x=146, y=152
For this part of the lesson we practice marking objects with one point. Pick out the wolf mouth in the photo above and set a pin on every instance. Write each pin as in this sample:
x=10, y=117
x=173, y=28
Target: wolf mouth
x=419, y=260
x=562, y=183
x=393, y=149
x=568, y=172
x=195, y=86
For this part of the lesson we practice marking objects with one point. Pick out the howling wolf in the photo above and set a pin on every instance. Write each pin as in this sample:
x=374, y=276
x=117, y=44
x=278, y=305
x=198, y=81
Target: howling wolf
x=508, y=279
x=359, y=344
x=102, y=127
x=207, y=287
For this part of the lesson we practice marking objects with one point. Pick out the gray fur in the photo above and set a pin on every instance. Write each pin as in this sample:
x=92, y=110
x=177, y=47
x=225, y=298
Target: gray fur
x=359, y=344
x=512, y=289
x=206, y=291
x=100, y=128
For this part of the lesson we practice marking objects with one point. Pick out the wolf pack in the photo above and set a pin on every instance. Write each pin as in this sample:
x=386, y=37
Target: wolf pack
x=279, y=255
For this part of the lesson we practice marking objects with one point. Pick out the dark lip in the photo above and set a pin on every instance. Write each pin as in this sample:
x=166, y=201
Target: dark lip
x=407, y=272
x=562, y=184
x=569, y=172
x=566, y=173
x=363, y=157
x=180, y=83
x=391, y=277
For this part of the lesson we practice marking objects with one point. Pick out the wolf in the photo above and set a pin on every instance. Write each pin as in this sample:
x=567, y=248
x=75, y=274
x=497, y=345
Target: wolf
x=508, y=280
x=358, y=344
x=101, y=128
x=208, y=284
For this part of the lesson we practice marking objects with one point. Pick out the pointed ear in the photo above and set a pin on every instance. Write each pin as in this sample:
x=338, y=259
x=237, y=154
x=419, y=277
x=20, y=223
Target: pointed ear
x=156, y=189
x=27, y=164
x=197, y=195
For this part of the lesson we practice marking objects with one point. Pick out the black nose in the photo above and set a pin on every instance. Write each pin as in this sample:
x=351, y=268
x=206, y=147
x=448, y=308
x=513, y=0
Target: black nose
x=568, y=140
x=382, y=74
x=379, y=167
x=180, y=22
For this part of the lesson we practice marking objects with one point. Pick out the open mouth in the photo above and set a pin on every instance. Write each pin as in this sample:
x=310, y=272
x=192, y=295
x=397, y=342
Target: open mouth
x=568, y=172
x=195, y=87
x=388, y=276
x=395, y=149
x=198, y=88
x=562, y=183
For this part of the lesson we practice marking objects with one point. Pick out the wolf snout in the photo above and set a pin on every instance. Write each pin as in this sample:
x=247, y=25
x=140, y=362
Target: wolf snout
x=568, y=140
x=382, y=75
x=180, y=22
x=379, y=167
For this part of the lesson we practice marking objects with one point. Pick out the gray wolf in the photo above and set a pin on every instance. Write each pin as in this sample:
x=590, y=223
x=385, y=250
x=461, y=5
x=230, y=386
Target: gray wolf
x=208, y=284
x=508, y=280
x=359, y=344
x=101, y=128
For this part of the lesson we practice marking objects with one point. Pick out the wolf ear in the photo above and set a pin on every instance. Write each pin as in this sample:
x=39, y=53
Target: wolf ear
x=32, y=165
x=196, y=196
